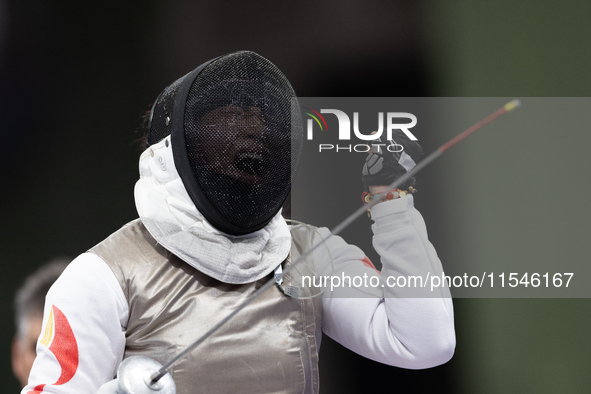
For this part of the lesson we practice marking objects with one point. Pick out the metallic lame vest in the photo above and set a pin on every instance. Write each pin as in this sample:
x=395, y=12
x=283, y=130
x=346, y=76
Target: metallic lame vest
x=269, y=347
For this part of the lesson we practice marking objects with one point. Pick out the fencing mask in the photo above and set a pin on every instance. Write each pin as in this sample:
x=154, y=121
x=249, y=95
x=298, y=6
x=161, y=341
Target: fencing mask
x=236, y=136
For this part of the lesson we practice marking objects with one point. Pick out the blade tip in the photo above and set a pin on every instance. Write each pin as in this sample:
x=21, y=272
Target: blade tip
x=510, y=106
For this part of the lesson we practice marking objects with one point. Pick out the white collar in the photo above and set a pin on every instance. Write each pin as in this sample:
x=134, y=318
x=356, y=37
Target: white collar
x=170, y=216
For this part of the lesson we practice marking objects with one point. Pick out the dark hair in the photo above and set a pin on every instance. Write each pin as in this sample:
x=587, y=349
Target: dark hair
x=143, y=129
x=30, y=297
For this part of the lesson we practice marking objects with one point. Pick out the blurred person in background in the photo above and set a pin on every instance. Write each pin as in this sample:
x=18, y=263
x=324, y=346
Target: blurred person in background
x=28, y=309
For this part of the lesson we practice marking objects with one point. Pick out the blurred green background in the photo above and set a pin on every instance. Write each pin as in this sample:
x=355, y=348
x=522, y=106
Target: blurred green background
x=76, y=77
x=535, y=211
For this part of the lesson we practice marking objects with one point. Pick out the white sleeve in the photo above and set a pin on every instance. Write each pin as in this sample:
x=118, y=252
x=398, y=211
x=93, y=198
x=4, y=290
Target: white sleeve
x=83, y=337
x=406, y=332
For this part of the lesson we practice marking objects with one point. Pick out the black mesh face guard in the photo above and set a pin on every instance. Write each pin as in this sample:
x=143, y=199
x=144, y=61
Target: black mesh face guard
x=236, y=140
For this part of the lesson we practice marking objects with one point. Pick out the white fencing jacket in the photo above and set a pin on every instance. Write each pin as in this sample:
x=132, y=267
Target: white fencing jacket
x=86, y=312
